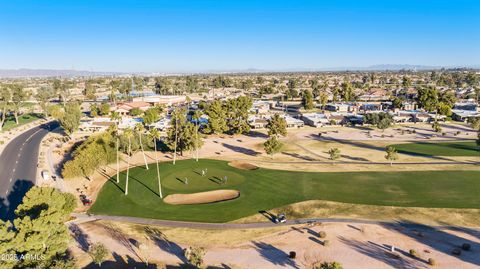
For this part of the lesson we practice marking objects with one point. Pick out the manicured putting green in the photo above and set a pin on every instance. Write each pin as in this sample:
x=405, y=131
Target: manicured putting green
x=214, y=178
x=460, y=148
x=264, y=189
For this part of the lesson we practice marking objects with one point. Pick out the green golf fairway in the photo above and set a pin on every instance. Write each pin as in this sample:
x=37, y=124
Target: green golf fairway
x=463, y=148
x=265, y=189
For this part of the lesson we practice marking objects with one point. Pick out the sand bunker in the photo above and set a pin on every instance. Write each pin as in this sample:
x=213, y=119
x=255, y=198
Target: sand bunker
x=244, y=166
x=201, y=197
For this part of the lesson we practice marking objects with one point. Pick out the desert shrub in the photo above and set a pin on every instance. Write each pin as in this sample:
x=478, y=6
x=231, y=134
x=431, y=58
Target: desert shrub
x=322, y=234
x=326, y=243
x=195, y=255
x=466, y=246
x=329, y=265
x=292, y=255
x=98, y=252
x=413, y=253
x=431, y=261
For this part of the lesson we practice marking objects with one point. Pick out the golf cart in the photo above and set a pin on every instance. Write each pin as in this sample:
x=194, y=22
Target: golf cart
x=85, y=200
x=281, y=218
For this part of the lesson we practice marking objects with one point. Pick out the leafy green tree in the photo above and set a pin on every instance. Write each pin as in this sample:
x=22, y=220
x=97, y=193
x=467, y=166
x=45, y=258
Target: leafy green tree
x=135, y=112
x=436, y=127
x=5, y=97
x=217, y=115
x=43, y=96
x=90, y=90
x=346, y=92
x=391, y=154
x=292, y=84
x=95, y=151
x=151, y=115
x=38, y=228
x=427, y=98
x=447, y=98
x=385, y=122
x=19, y=96
x=406, y=82
x=397, y=102
x=94, y=110
x=323, y=98
x=334, y=153
x=56, y=111
x=307, y=100
x=237, y=114
x=272, y=145
x=292, y=93
x=335, y=93
x=444, y=109
x=104, y=109
x=276, y=126
x=98, y=252
x=70, y=120
x=62, y=88
x=382, y=120
x=181, y=133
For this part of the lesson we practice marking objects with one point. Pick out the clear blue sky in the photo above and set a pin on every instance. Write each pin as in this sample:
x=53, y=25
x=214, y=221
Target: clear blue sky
x=171, y=36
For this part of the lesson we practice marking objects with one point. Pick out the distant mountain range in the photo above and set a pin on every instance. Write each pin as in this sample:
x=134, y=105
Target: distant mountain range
x=26, y=73
x=31, y=73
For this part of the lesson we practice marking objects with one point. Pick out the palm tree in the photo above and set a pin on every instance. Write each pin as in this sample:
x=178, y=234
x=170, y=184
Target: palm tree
x=176, y=130
x=155, y=134
x=196, y=116
x=116, y=117
x=139, y=129
x=128, y=133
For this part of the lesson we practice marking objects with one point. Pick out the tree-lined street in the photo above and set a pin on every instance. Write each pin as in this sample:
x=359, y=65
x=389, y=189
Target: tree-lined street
x=18, y=167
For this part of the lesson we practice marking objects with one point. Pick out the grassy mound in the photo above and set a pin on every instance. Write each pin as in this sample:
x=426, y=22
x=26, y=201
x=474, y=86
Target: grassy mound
x=264, y=189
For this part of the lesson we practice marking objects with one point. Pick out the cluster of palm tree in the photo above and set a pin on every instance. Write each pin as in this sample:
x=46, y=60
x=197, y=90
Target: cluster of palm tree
x=129, y=133
x=153, y=134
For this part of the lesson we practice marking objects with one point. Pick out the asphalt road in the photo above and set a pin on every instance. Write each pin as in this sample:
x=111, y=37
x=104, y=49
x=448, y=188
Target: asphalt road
x=18, y=167
x=82, y=218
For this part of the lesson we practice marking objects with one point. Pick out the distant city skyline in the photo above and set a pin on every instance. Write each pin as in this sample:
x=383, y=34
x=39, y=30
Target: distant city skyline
x=201, y=36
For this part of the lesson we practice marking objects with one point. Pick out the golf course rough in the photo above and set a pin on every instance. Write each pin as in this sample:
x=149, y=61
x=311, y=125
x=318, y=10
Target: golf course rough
x=265, y=189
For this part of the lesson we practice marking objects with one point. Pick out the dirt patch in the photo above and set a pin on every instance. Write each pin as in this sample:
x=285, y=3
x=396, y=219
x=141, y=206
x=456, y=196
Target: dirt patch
x=243, y=166
x=201, y=197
